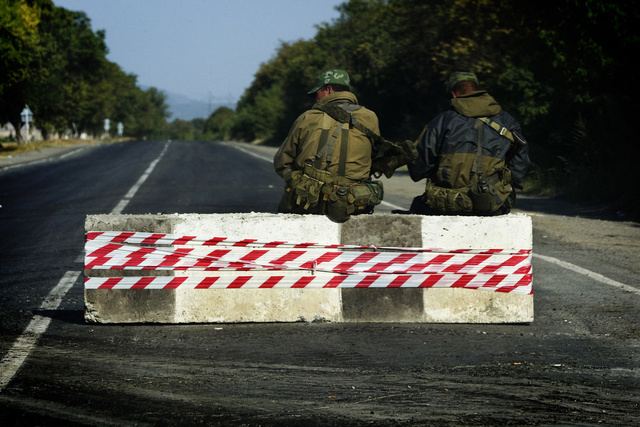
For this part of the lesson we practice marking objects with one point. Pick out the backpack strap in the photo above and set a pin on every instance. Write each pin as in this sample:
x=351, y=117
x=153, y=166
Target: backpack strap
x=326, y=148
x=342, y=113
x=324, y=137
x=344, y=144
x=476, y=169
x=517, y=142
x=497, y=127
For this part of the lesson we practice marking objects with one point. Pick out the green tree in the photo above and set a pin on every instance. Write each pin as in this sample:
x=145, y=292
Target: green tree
x=198, y=128
x=19, y=51
x=181, y=130
x=278, y=93
x=74, y=58
x=53, y=61
x=218, y=125
x=149, y=119
x=562, y=70
x=590, y=45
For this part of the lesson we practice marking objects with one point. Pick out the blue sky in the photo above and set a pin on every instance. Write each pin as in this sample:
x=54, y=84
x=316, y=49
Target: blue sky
x=208, y=50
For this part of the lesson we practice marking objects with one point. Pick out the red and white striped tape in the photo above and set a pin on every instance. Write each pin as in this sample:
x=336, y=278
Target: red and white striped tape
x=140, y=238
x=351, y=266
x=128, y=257
x=514, y=283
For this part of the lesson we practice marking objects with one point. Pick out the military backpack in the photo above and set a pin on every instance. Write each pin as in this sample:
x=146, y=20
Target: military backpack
x=317, y=190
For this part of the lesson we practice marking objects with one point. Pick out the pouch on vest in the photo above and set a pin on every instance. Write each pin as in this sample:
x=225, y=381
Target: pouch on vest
x=311, y=187
x=447, y=200
x=365, y=195
x=337, y=207
x=489, y=194
x=484, y=196
x=357, y=198
x=288, y=200
x=377, y=192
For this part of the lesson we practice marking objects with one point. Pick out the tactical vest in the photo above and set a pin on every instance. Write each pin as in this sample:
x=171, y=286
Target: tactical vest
x=489, y=186
x=317, y=190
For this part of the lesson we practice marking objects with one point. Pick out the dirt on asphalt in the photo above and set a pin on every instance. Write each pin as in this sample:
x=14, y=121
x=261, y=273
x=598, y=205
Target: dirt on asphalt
x=576, y=364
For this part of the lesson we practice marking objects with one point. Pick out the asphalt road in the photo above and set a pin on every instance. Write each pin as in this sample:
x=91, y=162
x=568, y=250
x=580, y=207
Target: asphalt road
x=576, y=364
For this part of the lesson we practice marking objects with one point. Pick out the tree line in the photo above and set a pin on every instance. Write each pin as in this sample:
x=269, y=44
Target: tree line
x=564, y=70
x=52, y=61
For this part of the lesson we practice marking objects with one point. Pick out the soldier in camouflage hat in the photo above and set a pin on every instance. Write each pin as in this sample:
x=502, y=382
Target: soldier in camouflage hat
x=331, y=78
x=471, y=155
x=459, y=77
x=326, y=159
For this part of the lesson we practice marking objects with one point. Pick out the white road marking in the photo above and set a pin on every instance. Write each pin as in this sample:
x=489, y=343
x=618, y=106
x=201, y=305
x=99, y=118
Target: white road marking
x=598, y=277
x=132, y=192
x=270, y=160
x=595, y=276
x=25, y=343
x=252, y=153
x=392, y=206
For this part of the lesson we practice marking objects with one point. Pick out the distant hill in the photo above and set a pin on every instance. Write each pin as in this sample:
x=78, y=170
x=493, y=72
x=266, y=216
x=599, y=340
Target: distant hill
x=184, y=108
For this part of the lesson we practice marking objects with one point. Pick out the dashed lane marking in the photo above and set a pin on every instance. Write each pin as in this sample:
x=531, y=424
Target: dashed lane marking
x=25, y=343
x=132, y=192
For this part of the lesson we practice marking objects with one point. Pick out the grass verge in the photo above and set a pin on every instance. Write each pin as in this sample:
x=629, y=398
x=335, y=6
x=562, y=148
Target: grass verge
x=13, y=148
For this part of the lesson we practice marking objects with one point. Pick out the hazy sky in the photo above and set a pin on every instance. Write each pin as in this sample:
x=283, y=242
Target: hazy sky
x=208, y=50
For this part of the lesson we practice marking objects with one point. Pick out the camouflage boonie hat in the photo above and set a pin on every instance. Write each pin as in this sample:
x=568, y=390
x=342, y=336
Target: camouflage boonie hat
x=336, y=76
x=461, y=76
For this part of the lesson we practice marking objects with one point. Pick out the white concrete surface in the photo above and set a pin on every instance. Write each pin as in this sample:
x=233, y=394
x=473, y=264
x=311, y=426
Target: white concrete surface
x=442, y=305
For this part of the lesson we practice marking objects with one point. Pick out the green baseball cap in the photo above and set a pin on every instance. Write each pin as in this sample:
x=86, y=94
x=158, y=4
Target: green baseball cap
x=461, y=76
x=335, y=76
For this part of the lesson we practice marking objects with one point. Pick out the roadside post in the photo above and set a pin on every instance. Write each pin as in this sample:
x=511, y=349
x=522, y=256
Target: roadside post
x=26, y=116
x=120, y=128
x=107, y=125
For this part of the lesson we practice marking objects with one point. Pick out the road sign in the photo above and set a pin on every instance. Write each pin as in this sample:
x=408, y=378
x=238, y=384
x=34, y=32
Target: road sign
x=27, y=117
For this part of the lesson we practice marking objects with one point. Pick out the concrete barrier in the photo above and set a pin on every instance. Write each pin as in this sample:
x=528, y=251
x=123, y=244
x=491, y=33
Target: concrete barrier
x=186, y=304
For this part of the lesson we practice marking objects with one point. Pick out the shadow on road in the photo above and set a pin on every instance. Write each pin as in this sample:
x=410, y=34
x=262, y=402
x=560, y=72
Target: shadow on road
x=75, y=317
x=558, y=206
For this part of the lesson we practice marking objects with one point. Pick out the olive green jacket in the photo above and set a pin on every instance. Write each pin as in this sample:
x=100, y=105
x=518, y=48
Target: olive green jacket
x=302, y=142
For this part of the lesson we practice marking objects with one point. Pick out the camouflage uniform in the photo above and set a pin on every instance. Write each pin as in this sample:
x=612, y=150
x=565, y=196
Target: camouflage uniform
x=450, y=144
x=301, y=145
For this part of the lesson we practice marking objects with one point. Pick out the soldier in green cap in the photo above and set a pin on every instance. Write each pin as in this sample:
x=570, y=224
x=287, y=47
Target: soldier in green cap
x=325, y=160
x=471, y=155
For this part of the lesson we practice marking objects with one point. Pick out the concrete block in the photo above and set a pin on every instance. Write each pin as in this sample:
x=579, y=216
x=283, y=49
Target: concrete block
x=441, y=305
x=258, y=305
